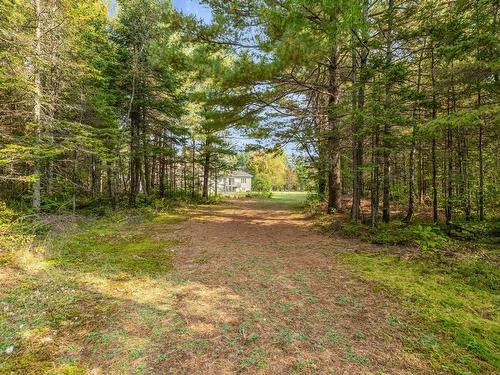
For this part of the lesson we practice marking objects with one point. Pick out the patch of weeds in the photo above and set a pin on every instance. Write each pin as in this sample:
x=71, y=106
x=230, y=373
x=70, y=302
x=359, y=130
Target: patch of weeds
x=269, y=268
x=198, y=346
x=253, y=337
x=124, y=244
x=160, y=358
x=333, y=337
x=300, y=365
x=428, y=340
x=264, y=280
x=359, y=336
x=321, y=273
x=262, y=294
x=239, y=288
x=69, y=369
x=395, y=321
x=258, y=316
x=245, y=327
x=301, y=336
x=140, y=369
x=203, y=258
x=299, y=276
x=285, y=307
x=351, y=356
x=324, y=315
x=342, y=300
x=104, y=252
x=285, y=336
x=312, y=299
x=136, y=353
x=348, y=300
x=352, y=229
x=257, y=359
x=168, y=218
x=148, y=316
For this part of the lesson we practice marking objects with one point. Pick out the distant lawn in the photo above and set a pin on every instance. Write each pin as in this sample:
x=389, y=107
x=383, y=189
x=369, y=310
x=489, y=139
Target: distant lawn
x=292, y=198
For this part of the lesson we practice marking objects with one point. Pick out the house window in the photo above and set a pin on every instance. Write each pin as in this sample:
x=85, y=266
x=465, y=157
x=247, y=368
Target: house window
x=243, y=180
x=231, y=181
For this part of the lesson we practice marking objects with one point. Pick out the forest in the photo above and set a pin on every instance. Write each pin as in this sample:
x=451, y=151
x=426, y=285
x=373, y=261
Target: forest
x=395, y=103
x=116, y=118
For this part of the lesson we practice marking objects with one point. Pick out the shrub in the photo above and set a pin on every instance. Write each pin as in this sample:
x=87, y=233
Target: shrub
x=312, y=205
x=428, y=238
x=259, y=194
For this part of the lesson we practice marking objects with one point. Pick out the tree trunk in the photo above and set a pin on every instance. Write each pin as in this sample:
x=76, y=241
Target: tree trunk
x=411, y=170
x=322, y=168
x=134, y=158
x=449, y=180
x=434, y=182
x=111, y=195
x=174, y=171
x=481, y=174
x=386, y=212
x=215, y=181
x=433, y=151
x=37, y=112
x=449, y=147
x=334, y=177
x=162, y=166
x=357, y=155
x=193, y=169
x=206, y=169
x=375, y=177
x=481, y=162
x=74, y=182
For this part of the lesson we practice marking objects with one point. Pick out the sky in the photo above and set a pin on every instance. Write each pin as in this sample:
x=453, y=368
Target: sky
x=193, y=7
x=188, y=7
x=203, y=12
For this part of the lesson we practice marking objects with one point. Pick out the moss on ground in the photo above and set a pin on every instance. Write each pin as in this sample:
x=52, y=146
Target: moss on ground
x=69, y=299
x=112, y=248
x=454, y=316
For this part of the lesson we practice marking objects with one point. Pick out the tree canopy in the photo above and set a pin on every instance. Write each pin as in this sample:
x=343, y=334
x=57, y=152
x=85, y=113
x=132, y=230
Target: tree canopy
x=394, y=102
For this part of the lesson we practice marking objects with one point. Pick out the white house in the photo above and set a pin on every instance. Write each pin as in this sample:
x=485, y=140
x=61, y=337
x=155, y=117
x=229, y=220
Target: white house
x=236, y=181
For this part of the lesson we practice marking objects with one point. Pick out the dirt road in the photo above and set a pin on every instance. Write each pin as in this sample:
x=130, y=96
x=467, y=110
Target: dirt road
x=265, y=292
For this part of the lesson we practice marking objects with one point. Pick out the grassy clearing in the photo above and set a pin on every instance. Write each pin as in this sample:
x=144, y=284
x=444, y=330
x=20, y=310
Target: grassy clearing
x=446, y=276
x=98, y=293
x=294, y=199
x=109, y=246
x=454, y=307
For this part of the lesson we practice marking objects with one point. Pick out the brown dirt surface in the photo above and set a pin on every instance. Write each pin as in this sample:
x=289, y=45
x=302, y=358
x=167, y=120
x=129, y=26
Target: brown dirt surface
x=251, y=287
x=264, y=292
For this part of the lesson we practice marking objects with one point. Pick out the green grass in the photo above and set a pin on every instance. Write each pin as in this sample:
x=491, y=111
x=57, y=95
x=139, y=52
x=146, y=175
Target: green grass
x=294, y=199
x=65, y=295
x=454, y=318
x=110, y=248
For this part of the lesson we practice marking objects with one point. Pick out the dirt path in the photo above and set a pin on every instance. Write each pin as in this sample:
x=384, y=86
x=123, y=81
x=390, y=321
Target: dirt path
x=264, y=292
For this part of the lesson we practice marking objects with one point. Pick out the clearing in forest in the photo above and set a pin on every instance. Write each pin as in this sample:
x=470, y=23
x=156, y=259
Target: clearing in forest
x=246, y=286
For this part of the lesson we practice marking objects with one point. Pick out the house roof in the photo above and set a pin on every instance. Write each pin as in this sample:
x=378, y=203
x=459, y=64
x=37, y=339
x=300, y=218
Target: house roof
x=239, y=174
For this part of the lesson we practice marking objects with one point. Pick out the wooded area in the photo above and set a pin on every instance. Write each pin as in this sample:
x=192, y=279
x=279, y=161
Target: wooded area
x=392, y=101
x=374, y=120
